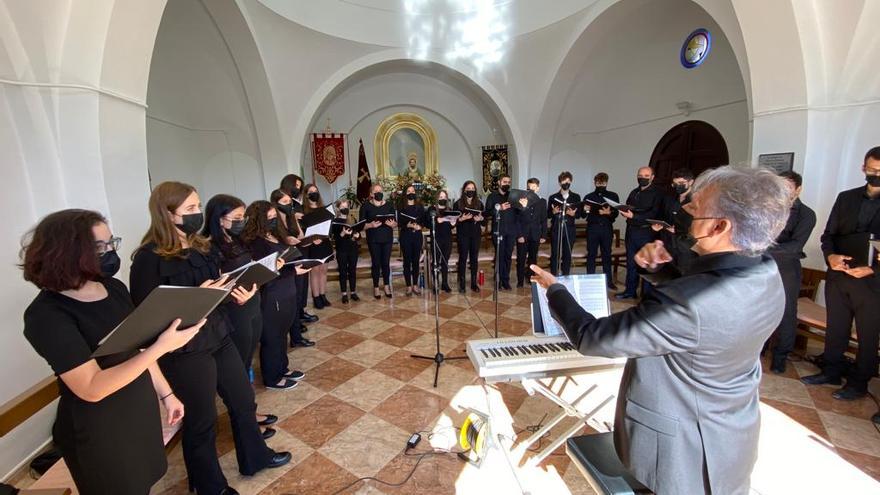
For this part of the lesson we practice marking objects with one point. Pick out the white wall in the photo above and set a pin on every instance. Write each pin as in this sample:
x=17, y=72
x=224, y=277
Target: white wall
x=461, y=120
x=199, y=123
x=625, y=95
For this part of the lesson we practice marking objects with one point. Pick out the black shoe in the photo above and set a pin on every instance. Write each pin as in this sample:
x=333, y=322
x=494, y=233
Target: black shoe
x=519, y=285
x=624, y=295
x=778, y=365
x=268, y=433
x=388, y=294
x=325, y=300
x=377, y=294
x=475, y=288
x=287, y=385
x=354, y=297
x=303, y=328
x=302, y=343
x=318, y=303
x=295, y=375
x=308, y=317
x=271, y=419
x=345, y=299
x=820, y=379
x=461, y=289
x=612, y=286
x=445, y=288
x=229, y=491
x=279, y=459
x=849, y=393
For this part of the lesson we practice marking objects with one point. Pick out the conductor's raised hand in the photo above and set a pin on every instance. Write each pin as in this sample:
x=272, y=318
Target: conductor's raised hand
x=215, y=284
x=242, y=295
x=543, y=278
x=652, y=255
x=173, y=338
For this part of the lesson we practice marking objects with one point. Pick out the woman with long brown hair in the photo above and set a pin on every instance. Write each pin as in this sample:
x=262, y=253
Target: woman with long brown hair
x=71, y=257
x=470, y=231
x=313, y=213
x=173, y=252
x=411, y=216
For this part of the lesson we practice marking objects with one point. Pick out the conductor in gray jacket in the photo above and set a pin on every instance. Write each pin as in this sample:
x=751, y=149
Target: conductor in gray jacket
x=687, y=418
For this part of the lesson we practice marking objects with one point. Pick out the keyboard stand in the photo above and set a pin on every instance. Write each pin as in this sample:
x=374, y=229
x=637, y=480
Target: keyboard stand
x=569, y=409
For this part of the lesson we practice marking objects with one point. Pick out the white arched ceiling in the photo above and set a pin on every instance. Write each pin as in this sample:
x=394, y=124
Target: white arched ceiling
x=462, y=116
x=459, y=75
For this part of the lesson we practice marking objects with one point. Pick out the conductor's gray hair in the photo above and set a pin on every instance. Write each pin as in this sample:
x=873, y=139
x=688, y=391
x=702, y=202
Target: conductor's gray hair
x=755, y=200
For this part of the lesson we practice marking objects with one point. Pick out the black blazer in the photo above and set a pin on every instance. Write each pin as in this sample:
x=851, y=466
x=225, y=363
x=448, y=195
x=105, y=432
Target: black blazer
x=843, y=220
x=573, y=198
x=533, y=221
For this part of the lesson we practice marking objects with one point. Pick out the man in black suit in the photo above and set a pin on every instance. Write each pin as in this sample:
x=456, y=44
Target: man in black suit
x=532, y=233
x=852, y=285
x=643, y=203
x=788, y=252
x=507, y=229
x=673, y=213
x=600, y=226
x=563, y=208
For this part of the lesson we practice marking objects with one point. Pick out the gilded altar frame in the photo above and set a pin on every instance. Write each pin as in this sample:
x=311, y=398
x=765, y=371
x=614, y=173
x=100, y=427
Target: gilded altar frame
x=394, y=123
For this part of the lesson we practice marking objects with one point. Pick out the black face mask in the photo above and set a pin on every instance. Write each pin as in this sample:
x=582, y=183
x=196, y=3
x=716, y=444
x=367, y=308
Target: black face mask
x=504, y=188
x=378, y=196
x=314, y=197
x=294, y=192
x=601, y=189
x=565, y=186
x=343, y=211
x=411, y=196
x=643, y=182
x=873, y=180
x=236, y=228
x=192, y=223
x=286, y=209
x=679, y=188
x=272, y=225
x=109, y=263
x=470, y=194
x=441, y=203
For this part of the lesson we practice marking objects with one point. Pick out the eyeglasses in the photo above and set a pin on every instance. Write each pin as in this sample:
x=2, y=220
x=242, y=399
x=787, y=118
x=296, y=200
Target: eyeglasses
x=110, y=245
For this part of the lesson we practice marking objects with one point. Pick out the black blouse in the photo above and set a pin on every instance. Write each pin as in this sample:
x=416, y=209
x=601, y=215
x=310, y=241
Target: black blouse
x=344, y=244
x=149, y=270
x=382, y=233
x=470, y=227
x=444, y=229
x=416, y=211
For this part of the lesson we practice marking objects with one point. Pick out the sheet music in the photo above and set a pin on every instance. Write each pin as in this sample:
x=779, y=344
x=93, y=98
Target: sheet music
x=588, y=290
x=322, y=229
x=269, y=261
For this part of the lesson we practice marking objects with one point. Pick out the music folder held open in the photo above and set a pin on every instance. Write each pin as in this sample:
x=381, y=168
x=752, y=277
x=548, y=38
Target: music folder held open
x=588, y=290
x=161, y=307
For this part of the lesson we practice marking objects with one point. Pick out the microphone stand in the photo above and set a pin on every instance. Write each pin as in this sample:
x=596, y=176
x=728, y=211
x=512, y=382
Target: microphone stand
x=438, y=357
x=560, y=225
x=497, y=259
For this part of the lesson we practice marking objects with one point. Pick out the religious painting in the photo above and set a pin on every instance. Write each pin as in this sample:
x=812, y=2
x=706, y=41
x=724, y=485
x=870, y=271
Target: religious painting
x=406, y=146
x=494, y=165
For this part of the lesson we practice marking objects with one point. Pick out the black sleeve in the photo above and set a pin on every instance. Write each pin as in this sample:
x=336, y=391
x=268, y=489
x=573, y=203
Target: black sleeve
x=800, y=235
x=144, y=274
x=55, y=337
x=831, y=227
x=362, y=215
x=614, y=211
x=490, y=205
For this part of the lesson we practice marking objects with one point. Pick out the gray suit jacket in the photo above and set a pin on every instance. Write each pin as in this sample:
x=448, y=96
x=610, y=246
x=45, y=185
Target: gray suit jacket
x=687, y=416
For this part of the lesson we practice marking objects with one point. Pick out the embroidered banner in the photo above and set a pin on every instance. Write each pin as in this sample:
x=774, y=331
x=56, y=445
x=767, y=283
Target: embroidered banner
x=328, y=155
x=494, y=165
x=364, y=184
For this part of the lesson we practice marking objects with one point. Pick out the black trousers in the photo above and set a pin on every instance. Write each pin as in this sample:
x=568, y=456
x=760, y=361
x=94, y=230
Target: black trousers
x=848, y=299
x=505, y=257
x=302, y=292
x=411, y=248
x=380, y=262
x=196, y=377
x=468, y=249
x=567, y=241
x=636, y=238
x=346, y=262
x=247, y=326
x=444, y=245
x=526, y=256
x=279, y=309
x=600, y=239
x=790, y=271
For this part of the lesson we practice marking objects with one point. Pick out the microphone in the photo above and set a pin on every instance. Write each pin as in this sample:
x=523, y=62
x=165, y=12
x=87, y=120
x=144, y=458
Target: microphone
x=497, y=206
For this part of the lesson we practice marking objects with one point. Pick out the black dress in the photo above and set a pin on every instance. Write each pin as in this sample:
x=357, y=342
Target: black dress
x=314, y=217
x=65, y=332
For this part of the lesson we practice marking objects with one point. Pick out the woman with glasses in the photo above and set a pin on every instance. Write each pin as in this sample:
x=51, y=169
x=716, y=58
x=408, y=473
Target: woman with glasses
x=71, y=257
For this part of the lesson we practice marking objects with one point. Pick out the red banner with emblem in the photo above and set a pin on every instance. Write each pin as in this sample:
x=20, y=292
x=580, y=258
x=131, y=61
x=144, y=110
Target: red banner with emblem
x=328, y=152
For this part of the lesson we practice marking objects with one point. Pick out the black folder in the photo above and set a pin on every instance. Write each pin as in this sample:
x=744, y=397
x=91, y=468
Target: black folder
x=252, y=273
x=355, y=227
x=517, y=194
x=310, y=263
x=857, y=246
x=661, y=223
x=162, y=306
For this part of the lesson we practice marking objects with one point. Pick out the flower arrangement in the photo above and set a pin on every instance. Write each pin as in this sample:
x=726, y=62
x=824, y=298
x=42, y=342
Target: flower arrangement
x=427, y=186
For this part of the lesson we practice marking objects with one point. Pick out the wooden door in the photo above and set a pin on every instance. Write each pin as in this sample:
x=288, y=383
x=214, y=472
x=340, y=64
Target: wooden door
x=693, y=145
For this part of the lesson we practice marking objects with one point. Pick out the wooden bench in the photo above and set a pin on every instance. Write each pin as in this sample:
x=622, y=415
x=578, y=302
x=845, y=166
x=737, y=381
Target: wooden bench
x=57, y=480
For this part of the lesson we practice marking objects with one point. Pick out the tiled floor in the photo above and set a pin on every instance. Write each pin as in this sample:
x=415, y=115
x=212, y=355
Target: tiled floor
x=364, y=395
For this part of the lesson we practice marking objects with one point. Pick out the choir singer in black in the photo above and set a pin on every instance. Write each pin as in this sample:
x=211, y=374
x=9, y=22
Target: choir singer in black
x=566, y=204
x=532, y=221
x=504, y=225
x=600, y=226
x=643, y=204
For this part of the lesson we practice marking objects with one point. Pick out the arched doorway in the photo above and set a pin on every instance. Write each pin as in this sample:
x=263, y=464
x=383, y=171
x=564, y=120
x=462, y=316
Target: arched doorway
x=693, y=145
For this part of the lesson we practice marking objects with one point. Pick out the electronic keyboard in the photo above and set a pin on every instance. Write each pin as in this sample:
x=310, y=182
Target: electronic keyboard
x=515, y=358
